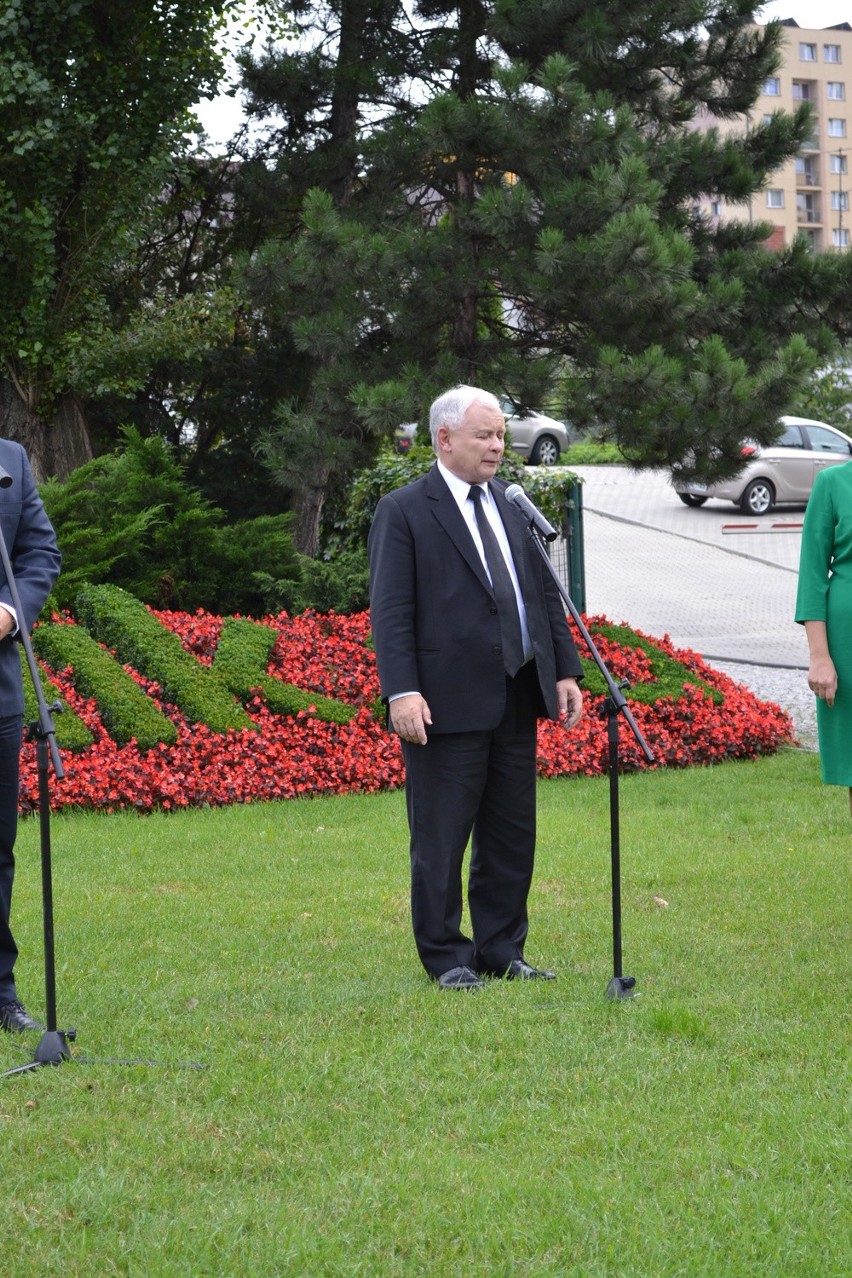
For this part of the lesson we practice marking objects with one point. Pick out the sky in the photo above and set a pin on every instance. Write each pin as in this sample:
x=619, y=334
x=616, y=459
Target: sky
x=222, y=117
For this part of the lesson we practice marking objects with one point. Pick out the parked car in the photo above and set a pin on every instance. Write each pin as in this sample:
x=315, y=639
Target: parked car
x=783, y=473
x=541, y=440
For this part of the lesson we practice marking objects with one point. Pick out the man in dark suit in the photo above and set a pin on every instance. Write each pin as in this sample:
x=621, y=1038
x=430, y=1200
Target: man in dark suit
x=472, y=647
x=34, y=556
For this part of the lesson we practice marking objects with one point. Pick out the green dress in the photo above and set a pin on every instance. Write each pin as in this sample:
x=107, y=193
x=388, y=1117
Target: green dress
x=825, y=594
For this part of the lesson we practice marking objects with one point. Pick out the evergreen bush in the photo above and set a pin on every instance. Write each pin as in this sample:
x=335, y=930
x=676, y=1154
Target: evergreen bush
x=134, y=520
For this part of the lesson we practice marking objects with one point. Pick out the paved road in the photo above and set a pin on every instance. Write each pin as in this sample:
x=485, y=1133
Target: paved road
x=714, y=580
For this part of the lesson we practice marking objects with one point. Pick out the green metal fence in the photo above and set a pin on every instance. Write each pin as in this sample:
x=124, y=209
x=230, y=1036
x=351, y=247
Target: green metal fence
x=567, y=553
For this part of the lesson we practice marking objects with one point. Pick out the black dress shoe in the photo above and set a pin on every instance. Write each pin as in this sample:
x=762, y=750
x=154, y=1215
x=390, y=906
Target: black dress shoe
x=460, y=978
x=519, y=970
x=14, y=1018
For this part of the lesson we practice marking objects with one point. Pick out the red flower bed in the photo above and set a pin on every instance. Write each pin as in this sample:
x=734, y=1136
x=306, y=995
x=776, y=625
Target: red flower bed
x=300, y=755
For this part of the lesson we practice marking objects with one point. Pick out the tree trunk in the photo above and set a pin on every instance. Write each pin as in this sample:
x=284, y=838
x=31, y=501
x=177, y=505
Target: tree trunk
x=309, y=502
x=465, y=340
x=346, y=102
x=56, y=445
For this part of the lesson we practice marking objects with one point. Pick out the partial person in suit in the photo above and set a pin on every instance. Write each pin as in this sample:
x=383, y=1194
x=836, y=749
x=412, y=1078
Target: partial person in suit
x=34, y=557
x=472, y=646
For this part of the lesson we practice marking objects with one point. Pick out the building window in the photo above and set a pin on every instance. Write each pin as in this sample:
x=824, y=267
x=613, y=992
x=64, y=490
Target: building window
x=840, y=237
x=775, y=199
x=835, y=91
x=807, y=52
x=802, y=90
x=715, y=208
x=830, y=52
x=838, y=164
x=836, y=128
x=840, y=201
x=772, y=87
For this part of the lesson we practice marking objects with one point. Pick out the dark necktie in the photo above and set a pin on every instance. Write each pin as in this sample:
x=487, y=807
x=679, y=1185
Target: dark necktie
x=504, y=591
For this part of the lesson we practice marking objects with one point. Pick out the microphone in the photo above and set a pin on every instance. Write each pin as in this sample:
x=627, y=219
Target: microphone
x=5, y=478
x=516, y=495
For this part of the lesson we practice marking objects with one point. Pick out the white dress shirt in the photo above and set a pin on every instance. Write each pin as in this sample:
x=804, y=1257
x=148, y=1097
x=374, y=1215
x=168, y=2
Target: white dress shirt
x=460, y=490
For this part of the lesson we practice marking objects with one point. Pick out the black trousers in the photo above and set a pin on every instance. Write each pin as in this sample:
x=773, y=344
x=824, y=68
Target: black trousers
x=10, y=753
x=477, y=787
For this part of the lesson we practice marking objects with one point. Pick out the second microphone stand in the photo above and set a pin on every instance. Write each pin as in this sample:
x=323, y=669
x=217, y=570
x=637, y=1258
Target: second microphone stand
x=620, y=986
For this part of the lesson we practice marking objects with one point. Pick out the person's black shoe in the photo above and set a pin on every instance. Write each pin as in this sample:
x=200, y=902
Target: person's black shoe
x=520, y=970
x=460, y=978
x=14, y=1018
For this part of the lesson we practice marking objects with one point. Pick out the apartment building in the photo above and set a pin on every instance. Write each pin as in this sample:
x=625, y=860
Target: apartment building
x=811, y=195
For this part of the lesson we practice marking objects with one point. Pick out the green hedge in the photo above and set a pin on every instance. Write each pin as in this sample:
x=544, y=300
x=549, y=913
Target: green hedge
x=242, y=657
x=71, y=731
x=671, y=675
x=125, y=625
x=127, y=712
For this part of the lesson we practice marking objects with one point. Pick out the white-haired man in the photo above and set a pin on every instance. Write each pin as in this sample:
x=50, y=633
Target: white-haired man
x=472, y=647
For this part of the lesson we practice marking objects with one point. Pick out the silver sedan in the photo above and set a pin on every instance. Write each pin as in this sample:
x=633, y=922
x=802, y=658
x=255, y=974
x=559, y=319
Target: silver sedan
x=541, y=440
x=781, y=474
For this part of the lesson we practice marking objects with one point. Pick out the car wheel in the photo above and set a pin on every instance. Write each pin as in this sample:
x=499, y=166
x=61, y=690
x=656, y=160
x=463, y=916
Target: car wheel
x=758, y=498
x=690, y=499
x=546, y=451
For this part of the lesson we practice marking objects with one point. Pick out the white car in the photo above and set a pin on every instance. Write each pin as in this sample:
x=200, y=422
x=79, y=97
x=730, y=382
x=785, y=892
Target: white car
x=782, y=473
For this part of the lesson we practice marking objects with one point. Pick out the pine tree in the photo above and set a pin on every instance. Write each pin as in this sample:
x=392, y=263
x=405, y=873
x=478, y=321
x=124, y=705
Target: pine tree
x=524, y=219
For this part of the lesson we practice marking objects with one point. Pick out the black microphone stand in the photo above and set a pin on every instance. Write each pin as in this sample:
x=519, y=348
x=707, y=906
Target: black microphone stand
x=53, y=1046
x=614, y=704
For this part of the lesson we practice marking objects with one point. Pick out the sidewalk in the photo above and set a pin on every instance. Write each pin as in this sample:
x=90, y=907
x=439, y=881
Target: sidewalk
x=715, y=581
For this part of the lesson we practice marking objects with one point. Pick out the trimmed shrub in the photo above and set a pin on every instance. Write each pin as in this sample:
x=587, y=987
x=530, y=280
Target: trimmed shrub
x=242, y=658
x=71, y=732
x=125, y=625
x=668, y=674
x=126, y=711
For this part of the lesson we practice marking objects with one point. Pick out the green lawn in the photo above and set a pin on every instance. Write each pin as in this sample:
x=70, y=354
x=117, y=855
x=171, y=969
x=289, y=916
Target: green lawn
x=352, y=1119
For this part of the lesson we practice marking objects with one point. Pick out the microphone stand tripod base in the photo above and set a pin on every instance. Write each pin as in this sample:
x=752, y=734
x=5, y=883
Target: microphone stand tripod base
x=53, y=1047
x=622, y=987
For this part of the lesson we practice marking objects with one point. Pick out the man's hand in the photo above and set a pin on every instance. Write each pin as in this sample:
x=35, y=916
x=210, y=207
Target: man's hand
x=570, y=700
x=7, y=622
x=410, y=716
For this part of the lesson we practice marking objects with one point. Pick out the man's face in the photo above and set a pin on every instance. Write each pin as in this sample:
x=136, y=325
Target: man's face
x=474, y=449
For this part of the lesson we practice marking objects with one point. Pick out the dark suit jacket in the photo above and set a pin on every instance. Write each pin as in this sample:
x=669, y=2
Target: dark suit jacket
x=35, y=559
x=435, y=625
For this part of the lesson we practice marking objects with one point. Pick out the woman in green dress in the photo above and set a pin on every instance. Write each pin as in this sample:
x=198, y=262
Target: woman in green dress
x=824, y=606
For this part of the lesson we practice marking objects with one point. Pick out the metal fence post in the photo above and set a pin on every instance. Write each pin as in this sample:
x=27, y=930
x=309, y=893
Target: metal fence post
x=572, y=531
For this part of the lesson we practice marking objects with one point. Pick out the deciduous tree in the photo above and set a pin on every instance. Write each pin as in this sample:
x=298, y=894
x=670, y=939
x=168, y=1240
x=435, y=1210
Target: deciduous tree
x=93, y=105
